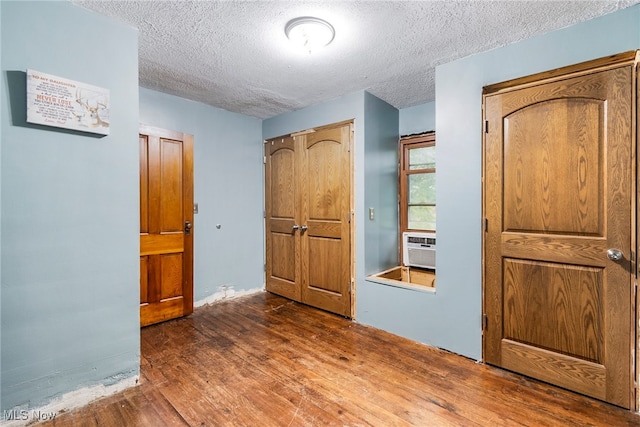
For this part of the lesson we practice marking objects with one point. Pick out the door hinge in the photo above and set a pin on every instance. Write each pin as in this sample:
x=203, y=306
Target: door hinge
x=264, y=267
x=352, y=286
x=485, y=224
x=264, y=160
x=264, y=214
x=486, y=126
x=485, y=322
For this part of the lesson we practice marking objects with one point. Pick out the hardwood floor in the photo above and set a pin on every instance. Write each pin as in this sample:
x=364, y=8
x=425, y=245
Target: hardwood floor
x=266, y=361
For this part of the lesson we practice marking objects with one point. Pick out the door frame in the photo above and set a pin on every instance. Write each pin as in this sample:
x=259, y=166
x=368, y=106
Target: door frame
x=630, y=58
x=352, y=216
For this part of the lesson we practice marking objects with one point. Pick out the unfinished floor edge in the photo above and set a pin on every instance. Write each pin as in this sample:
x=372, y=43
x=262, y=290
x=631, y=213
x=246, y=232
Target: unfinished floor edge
x=67, y=402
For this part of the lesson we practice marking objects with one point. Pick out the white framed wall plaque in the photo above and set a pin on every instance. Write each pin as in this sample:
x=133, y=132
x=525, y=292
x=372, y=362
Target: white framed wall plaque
x=63, y=103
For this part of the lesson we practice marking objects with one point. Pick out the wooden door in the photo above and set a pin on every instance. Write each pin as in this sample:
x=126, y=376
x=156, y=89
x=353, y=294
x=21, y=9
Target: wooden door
x=282, y=218
x=558, y=195
x=326, y=212
x=308, y=218
x=166, y=219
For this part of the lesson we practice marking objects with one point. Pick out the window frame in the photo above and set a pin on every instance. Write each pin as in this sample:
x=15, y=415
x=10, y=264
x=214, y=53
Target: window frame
x=407, y=143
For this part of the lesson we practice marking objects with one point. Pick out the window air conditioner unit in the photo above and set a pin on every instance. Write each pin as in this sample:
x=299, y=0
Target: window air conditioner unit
x=419, y=249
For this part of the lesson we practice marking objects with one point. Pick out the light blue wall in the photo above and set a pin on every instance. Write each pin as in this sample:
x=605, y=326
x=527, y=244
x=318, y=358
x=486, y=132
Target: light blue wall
x=418, y=119
x=70, y=210
x=380, y=187
x=347, y=107
x=376, y=136
x=228, y=187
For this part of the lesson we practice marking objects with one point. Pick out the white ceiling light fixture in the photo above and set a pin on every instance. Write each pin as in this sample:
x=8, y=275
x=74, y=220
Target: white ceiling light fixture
x=309, y=33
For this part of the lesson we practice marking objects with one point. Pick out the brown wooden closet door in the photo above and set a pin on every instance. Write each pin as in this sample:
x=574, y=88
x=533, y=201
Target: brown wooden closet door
x=558, y=195
x=166, y=215
x=307, y=210
x=326, y=243
x=282, y=216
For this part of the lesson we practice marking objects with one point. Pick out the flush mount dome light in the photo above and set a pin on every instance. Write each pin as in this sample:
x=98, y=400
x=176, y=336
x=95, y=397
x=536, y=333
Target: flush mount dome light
x=309, y=33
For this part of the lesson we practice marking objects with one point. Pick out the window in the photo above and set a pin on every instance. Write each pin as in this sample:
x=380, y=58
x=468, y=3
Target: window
x=418, y=182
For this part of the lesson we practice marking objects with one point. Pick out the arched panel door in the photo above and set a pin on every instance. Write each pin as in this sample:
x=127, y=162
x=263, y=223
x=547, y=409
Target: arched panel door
x=326, y=247
x=558, y=205
x=282, y=218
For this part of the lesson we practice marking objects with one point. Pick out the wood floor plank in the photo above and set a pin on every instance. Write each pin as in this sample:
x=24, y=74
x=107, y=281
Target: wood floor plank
x=401, y=379
x=485, y=403
x=264, y=360
x=353, y=384
x=286, y=364
x=244, y=377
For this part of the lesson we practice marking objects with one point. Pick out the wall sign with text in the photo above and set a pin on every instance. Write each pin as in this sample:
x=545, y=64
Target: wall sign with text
x=64, y=103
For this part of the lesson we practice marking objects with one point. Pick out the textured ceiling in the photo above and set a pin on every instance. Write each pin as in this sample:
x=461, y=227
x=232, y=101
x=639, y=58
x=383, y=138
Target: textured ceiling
x=234, y=54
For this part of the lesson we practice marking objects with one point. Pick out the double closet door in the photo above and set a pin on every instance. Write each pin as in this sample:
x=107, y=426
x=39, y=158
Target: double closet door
x=308, y=217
